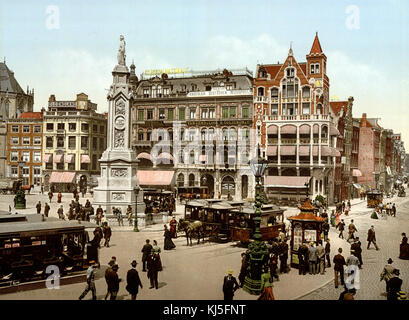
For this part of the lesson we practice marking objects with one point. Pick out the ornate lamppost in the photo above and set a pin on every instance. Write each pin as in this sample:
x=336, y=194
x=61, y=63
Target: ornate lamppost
x=257, y=254
x=135, y=226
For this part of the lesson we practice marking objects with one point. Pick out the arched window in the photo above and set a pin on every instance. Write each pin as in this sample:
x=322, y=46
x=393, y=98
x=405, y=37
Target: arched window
x=306, y=92
x=324, y=132
x=170, y=135
x=141, y=135
x=232, y=134
x=192, y=157
x=274, y=93
x=149, y=135
x=211, y=134
x=260, y=91
x=319, y=108
x=180, y=157
x=228, y=185
x=225, y=134
x=181, y=180
x=203, y=134
x=191, y=180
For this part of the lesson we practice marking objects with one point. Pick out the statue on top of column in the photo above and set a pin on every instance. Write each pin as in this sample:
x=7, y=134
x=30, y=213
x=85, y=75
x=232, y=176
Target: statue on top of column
x=121, y=51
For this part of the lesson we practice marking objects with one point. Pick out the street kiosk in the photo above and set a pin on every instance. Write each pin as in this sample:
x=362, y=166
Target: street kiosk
x=306, y=227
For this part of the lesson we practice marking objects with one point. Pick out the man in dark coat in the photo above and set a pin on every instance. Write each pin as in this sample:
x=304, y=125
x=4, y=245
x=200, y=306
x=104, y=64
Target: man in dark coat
x=341, y=227
x=339, y=263
x=372, y=237
x=394, y=210
x=133, y=282
x=230, y=285
x=38, y=207
x=404, y=248
x=107, y=234
x=154, y=266
x=325, y=229
x=327, y=253
x=302, y=263
x=356, y=246
x=146, y=250
x=46, y=209
x=283, y=249
x=395, y=285
x=112, y=280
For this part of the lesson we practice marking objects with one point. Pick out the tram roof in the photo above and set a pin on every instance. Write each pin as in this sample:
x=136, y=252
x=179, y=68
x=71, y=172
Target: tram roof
x=33, y=224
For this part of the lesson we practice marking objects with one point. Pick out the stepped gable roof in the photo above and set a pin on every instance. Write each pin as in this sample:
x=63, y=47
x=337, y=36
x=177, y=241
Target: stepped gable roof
x=7, y=80
x=336, y=106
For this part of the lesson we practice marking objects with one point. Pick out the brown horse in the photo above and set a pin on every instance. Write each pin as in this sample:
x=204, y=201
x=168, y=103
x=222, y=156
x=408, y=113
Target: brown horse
x=191, y=228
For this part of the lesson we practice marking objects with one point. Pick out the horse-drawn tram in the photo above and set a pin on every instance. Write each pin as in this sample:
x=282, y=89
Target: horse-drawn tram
x=374, y=198
x=233, y=220
x=30, y=243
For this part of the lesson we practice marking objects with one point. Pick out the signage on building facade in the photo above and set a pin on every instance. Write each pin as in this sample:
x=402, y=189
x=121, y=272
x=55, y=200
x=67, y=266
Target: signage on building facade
x=222, y=122
x=219, y=93
x=153, y=72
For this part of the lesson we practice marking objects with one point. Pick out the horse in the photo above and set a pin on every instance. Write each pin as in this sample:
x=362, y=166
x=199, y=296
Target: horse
x=191, y=228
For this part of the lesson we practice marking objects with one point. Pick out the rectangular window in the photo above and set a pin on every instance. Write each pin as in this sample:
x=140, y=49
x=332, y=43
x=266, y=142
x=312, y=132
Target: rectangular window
x=26, y=156
x=146, y=93
x=14, y=140
x=37, y=171
x=72, y=142
x=60, y=142
x=14, y=156
x=84, y=127
x=204, y=114
x=312, y=69
x=150, y=114
x=50, y=126
x=305, y=108
x=161, y=114
x=182, y=114
x=229, y=87
x=94, y=162
x=212, y=113
x=37, y=156
x=165, y=92
x=274, y=93
x=94, y=143
x=14, y=129
x=84, y=142
x=84, y=166
x=95, y=128
x=232, y=112
x=71, y=165
x=61, y=126
x=317, y=68
x=26, y=129
x=101, y=144
x=141, y=114
x=37, y=140
x=25, y=171
x=245, y=112
x=140, y=136
x=192, y=113
x=225, y=112
x=284, y=91
x=14, y=170
x=101, y=129
x=274, y=109
x=170, y=114
x=26, y=140
x=37, y=129
x=290, y=91
x=49, y=142
x=72, y=126
x=60, y=166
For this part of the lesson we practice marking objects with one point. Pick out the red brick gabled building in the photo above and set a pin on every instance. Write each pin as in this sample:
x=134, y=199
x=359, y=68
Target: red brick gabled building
x=293, y=125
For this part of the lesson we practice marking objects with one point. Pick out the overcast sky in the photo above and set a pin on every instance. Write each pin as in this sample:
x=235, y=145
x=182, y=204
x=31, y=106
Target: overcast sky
x=66, y=47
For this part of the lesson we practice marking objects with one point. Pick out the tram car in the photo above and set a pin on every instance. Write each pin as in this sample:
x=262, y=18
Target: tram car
x=191, y=193
x=233, y=220
x=159, y=199
x=374, y=198
x=31, y=243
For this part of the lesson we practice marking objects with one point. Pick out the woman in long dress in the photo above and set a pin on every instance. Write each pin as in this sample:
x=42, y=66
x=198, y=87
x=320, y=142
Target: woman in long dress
x=266, y=286
x=169, y=245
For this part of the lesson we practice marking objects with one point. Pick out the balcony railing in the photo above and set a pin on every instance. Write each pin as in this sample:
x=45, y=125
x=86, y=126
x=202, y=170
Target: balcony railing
x=261, y=99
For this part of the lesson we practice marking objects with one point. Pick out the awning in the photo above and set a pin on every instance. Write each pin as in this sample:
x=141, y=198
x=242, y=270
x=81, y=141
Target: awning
x=305, y=129
x=62, y=177
x=272, y=151
x=85, y=158
x=58, y=158
x=326, y=151
x=155, y=177
x=357, y=186
x=272, y=129
x=333, y=131
x=288, y=129
x=304, y=151
x=202, y=157
x=144, y=155
x=69, y=158
x=165, y=155
x=287, y=150
x=357, y=173
x=315, y=151
x=47, y=157
x=286, y=182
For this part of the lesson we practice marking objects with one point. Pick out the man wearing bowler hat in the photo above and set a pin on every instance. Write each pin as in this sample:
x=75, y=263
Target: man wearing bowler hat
x=230, y=285
x=133, y=281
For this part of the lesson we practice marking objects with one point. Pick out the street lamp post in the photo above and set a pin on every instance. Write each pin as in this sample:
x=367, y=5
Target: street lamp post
x=135, y=227
x=20, y=198
x=257, y=254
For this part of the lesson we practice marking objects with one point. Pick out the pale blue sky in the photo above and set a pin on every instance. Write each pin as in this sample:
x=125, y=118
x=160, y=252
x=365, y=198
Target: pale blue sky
x=369, y=63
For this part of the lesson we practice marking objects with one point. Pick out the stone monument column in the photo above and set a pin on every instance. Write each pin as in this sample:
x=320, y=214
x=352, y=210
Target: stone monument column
x=118, y=182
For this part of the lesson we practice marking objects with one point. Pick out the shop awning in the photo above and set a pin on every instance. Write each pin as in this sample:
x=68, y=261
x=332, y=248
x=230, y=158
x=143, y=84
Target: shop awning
x=326, y=151
x=357, y=173
x=58, y=158
x=69, y=158
x=272, y=151
x=357, y=186
x=286, y=182
x=62, y=177
x=156, y=177
x=47, y=157
x=333, y=131
x=288, y=129
x=304, y=151
x=144, y=155
x=272, y=129
x=305, y=129
x=287, y=150
x=85, y=158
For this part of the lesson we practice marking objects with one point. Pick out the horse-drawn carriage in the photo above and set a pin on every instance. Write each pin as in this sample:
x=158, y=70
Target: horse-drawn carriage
x=374, y=198
x=29, y=244
x=9, y=186
x=191, y=193
x=232, y=220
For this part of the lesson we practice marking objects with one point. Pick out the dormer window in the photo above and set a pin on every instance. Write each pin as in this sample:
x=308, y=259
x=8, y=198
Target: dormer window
x=260, y=92
x=290, y=72
x=263, y=73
